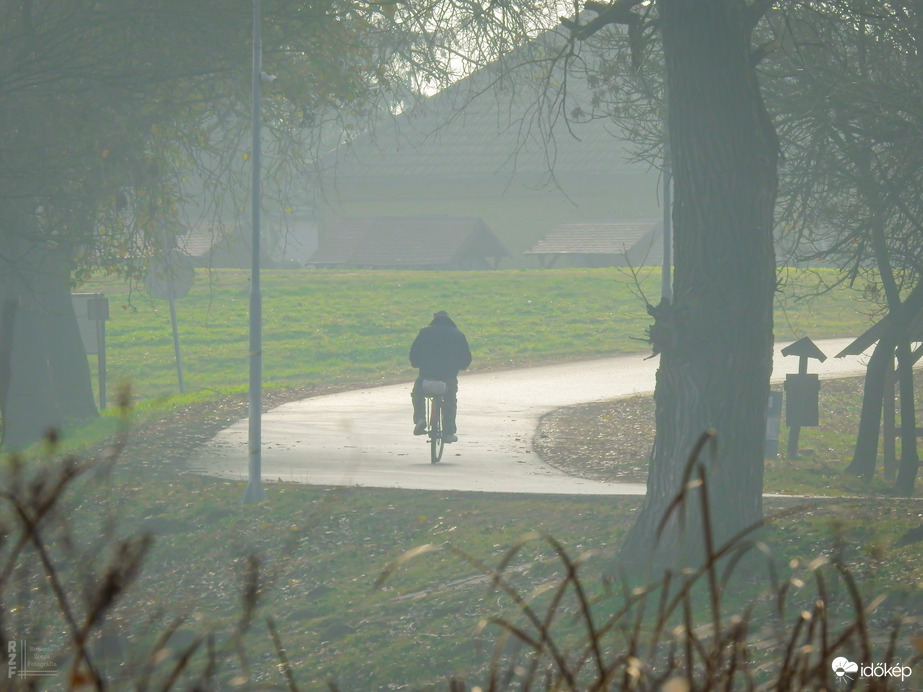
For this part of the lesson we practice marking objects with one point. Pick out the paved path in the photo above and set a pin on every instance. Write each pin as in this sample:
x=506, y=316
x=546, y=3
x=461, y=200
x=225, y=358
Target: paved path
x=363, y=437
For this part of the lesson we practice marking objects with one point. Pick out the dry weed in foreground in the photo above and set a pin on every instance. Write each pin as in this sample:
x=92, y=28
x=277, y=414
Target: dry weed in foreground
x=674, y=634
x=58, y=585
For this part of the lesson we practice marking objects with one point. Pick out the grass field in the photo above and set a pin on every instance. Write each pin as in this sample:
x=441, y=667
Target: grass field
x=334, y=327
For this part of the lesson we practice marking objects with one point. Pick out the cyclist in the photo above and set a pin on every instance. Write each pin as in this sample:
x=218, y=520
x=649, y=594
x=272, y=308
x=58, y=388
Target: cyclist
x=439, y=351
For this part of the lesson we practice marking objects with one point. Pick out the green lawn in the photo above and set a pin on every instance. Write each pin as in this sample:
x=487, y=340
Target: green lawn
x=335, y=327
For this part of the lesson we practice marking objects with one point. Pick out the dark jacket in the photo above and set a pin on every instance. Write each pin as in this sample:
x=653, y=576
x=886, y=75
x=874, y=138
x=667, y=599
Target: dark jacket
x=440, y=350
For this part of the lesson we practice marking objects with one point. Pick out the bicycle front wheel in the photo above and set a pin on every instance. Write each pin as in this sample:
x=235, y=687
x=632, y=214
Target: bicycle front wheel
x=436, y=444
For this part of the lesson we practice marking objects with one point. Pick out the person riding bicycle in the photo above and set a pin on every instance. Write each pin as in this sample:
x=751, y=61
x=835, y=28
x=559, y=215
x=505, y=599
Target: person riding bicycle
x=439, y=351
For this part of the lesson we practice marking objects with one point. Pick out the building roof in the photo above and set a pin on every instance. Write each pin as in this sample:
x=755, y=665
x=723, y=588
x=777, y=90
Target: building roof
x=407, y=241
x=201, y=239
x=597, y=238
x=505, y=119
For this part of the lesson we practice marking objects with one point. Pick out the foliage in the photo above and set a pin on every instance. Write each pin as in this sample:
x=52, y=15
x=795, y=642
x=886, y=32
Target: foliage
x=126, y=124
x=110, y=108
x=848, y=123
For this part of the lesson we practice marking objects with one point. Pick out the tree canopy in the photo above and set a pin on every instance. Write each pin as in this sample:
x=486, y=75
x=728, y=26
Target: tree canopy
x=123, y=122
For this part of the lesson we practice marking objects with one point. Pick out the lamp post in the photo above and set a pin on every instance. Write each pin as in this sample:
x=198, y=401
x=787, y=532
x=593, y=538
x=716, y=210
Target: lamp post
x=666, y=277
x=254, y=491
x=666, y=273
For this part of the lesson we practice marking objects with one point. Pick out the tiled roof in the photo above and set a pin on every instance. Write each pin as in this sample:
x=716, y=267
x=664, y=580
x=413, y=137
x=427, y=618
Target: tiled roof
x=593, y=238
x=199, y=240
x=477, y=127
x=407, y=241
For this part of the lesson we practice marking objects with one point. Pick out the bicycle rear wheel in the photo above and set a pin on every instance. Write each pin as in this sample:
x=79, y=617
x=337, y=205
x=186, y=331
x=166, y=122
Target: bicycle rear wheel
x=436, y=444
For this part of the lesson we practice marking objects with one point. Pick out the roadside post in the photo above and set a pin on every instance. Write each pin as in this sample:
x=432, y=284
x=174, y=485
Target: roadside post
x=169, y=277
x=801, y=392
x=773, y=423
x=254, y=491
x=92, y=311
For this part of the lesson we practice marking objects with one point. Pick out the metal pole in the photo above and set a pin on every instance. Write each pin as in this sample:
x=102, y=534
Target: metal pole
x=254, y=491
x=666, y=273
x=101, y=360
x=666, y=278
x=176, y=348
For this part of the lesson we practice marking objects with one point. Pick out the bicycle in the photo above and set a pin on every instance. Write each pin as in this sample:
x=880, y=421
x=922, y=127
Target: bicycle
x=434, y=390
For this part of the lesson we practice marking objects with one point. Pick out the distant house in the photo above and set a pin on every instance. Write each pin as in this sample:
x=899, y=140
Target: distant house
x=488, y=146
x=288, y=239
x=601, y=244
x=410, y=242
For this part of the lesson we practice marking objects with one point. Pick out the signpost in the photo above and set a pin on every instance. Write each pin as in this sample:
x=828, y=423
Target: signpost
x=169, y=277
x=801, y=392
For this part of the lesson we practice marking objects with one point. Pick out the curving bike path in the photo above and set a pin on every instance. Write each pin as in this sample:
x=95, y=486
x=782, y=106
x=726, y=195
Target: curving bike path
x=363, y=437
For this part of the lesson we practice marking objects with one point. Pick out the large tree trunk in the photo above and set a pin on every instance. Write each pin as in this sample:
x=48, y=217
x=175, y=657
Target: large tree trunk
x=716, y=339
x=47, y=378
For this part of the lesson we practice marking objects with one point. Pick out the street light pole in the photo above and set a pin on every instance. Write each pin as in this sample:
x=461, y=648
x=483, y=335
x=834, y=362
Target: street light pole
x=666, y=276
x=254, y=491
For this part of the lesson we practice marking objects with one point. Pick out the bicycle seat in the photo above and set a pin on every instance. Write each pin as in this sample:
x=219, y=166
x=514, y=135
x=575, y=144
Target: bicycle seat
x=433, y=387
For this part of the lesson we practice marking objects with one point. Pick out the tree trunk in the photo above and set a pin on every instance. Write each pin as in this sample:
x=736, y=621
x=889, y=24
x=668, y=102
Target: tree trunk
x=910, y=460
x=716, y=339
x=67, y=357
x=865, y=454
x=48, y=380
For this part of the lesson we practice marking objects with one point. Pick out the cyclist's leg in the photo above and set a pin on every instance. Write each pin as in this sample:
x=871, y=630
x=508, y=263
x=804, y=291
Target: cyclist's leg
x=450, y=406
x=419, y=403
x=419, y=407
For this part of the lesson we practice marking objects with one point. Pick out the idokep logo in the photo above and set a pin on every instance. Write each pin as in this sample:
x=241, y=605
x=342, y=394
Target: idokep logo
x=842, y=667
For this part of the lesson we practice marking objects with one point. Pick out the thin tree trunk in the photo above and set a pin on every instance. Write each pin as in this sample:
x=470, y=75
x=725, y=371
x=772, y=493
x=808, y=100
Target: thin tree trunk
x=715, y=340
x=910, y=460
x=901, y=314
x=865, y=453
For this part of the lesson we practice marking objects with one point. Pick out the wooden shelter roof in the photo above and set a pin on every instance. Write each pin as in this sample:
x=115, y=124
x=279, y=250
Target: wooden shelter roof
x=873, y=334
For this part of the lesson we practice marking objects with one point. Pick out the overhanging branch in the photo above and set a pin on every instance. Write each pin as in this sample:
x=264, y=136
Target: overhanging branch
x=617, y=12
